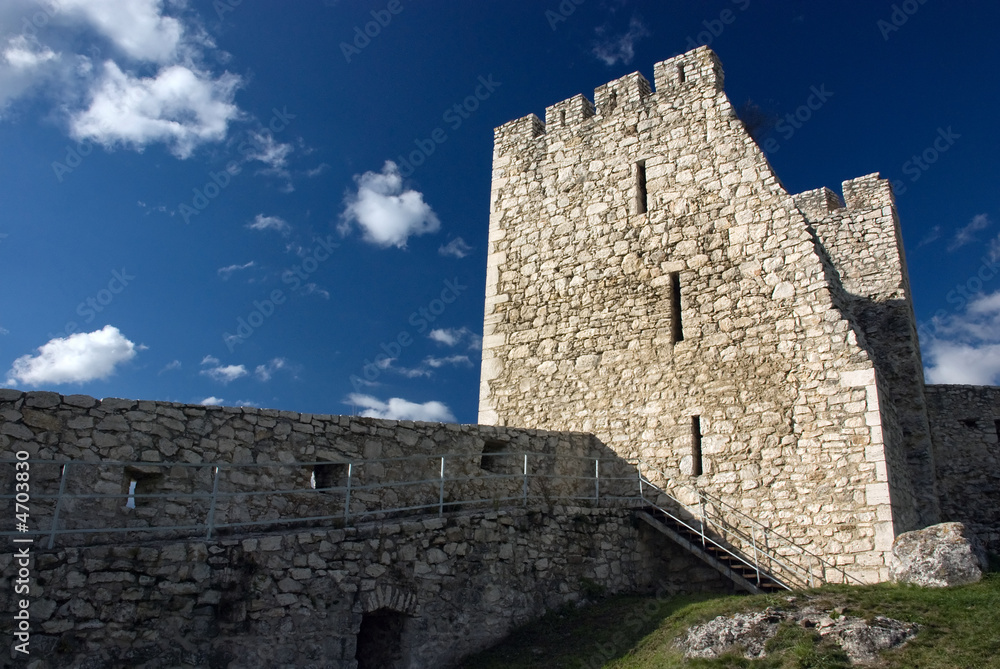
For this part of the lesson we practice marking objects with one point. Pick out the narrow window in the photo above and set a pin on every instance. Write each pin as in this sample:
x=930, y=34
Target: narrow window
x=140, y=481
x=681, y=77
x=562, y=118
x=675, y=306
x=996, y=425
x=328, y=475
x=641, y=198
x=496, y=458
x=696, y=464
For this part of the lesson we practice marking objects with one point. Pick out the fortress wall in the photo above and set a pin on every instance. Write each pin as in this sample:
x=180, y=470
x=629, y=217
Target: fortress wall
x=581, y=316
x=965, y=424
x=183, y=443
x=297, y=599
x=865, y=246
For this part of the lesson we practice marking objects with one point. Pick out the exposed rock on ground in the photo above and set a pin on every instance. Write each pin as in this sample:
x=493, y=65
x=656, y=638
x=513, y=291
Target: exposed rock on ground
x=749, y=633
x=938, y=556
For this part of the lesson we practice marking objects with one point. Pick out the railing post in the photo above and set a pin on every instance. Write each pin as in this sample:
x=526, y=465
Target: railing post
x=347, y=496
x=211, y=506
x=441, y=490
x=756, y=556
x=62, y=489
x=597, y=480
x=704, y=518
x=524, y=488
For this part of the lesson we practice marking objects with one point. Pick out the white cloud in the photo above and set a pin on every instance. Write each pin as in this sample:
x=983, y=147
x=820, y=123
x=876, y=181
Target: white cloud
x=614, y=49
x=453, y=337
x=967, y=233
x=224, y=373
x=387, y=214
x=212, y=402
x=170, y=366
x=965, y=348
x=314, y=289
x=267, y=150
x=400, y=409
x=136, y=27
x=210, y=360
x=456, y=248
x=431, y=361
x=265, y=372
x=180, y=106
x=121, y=73
x=78, y=358
x=226, y=272
x=262, y=222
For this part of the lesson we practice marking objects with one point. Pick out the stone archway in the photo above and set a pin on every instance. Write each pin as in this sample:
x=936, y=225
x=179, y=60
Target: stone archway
x=383, y=639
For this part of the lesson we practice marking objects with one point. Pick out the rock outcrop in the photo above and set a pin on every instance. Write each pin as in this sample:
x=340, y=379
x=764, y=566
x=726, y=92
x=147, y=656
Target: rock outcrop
x=938, y=556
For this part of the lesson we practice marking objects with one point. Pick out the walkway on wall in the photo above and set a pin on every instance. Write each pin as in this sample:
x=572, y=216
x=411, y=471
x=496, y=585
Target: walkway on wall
x=86, y=502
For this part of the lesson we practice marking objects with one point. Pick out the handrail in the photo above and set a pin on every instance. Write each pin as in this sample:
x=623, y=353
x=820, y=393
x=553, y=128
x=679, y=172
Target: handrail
x=705, y=538
x=408, y=497
x=721, y=521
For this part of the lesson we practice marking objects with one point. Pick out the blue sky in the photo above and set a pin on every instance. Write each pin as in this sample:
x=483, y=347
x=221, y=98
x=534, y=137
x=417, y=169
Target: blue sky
x=255, y=203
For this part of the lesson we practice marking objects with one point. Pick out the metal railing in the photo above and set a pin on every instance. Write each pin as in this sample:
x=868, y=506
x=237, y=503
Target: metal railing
x=209, y=499
x=758, y=545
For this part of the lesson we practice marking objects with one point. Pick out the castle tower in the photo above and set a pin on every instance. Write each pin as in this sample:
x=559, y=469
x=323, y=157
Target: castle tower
x=650, y=280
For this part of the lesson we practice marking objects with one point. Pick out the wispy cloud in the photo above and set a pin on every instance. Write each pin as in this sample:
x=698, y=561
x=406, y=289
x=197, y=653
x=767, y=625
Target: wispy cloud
x=262, y=222
x=226, y=272
x=454, y=337
x=171, y=366
x=932, y=236
x=612, y=49
x=78, y=358
x=967, y=234
x=387, y=213
x=965, y=347
x=399, y=409
x=265, y=372
x=224, y=374
x=462, y=360
x=457, y=248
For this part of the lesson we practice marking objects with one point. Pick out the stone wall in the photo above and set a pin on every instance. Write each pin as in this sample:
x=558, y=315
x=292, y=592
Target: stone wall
x=283, y=594
x=965, y=424
x=298, y=599
x=647, y=267
x=864, y=244
x=172, y=449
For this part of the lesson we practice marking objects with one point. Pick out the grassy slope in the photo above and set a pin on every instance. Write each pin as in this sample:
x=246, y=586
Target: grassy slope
x=960, y=627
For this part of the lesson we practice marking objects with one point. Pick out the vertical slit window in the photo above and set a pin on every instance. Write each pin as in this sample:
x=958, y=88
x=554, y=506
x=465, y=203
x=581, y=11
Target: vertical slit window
x=696, y=463
x=996, y=426
x=681, y=76
x=562, y=118
x=641, y=197
x=675, y=307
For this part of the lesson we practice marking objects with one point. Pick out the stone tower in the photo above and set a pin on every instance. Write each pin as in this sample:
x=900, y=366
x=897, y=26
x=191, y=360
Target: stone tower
x=650, y=280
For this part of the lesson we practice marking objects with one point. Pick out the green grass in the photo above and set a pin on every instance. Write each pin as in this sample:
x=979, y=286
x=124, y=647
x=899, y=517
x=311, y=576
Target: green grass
x=960, y=628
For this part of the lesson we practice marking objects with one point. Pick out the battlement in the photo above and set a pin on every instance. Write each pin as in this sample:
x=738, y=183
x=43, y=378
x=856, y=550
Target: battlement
x=865, y=193
x=689, y=74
